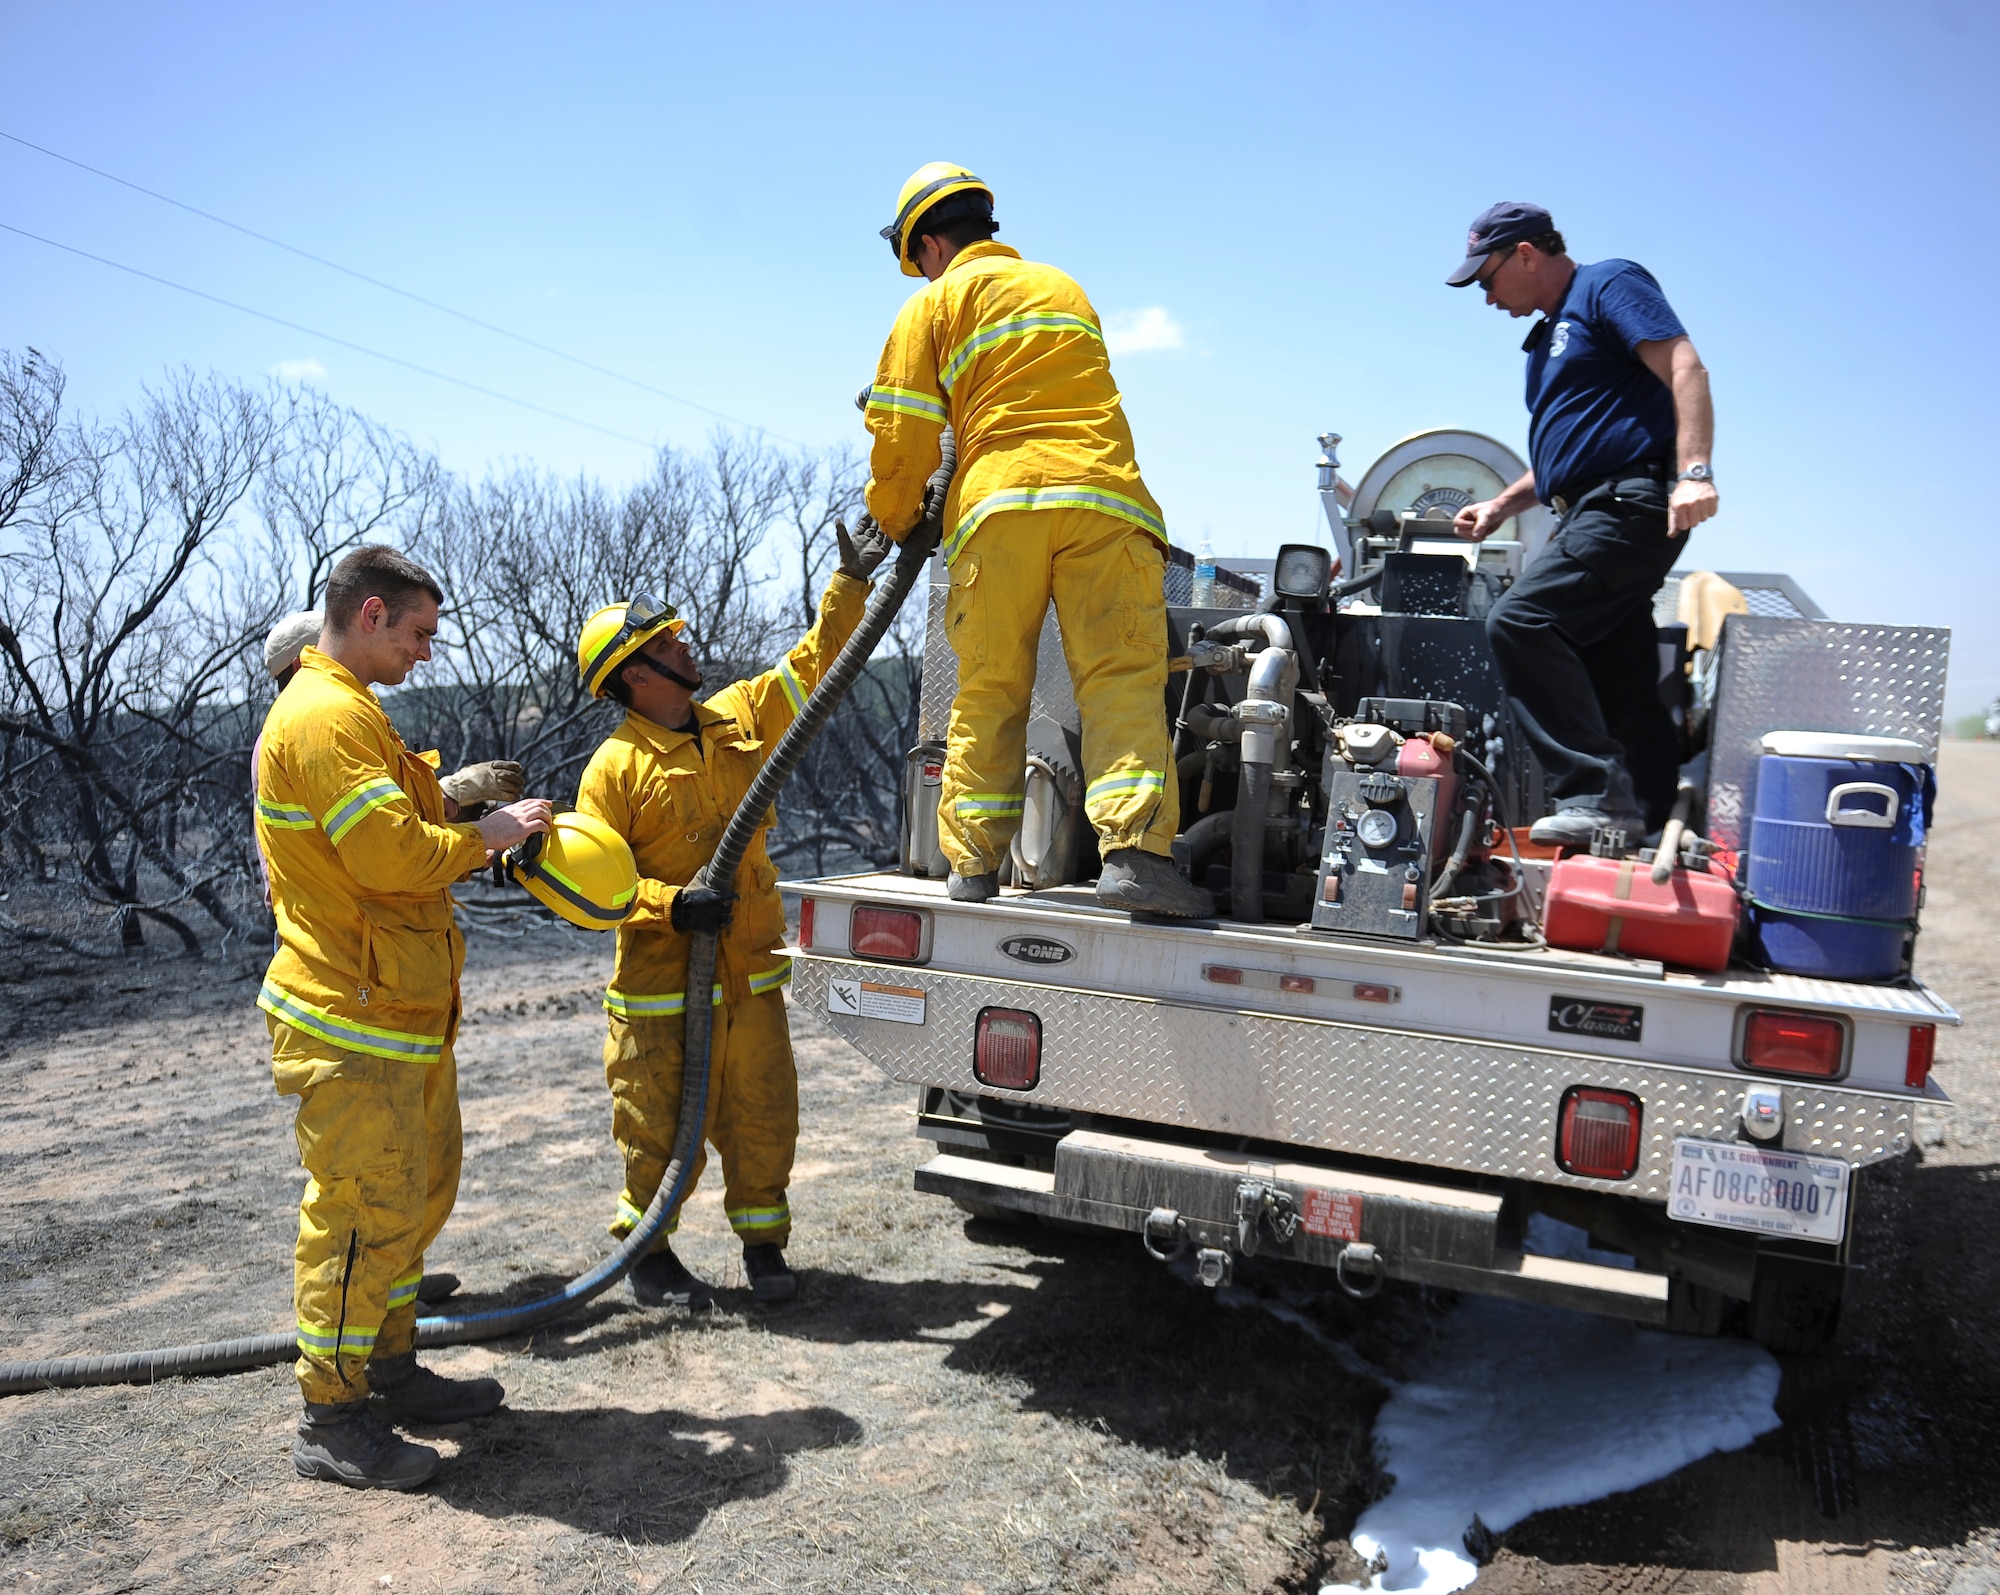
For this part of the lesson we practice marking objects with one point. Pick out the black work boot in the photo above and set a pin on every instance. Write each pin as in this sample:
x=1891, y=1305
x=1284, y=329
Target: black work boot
x=401, y=1392
x=662, y=1280
x=345, y=1443
x=436, y=1288
x=1145, y=883
x=973, y=888
x=771, y=1279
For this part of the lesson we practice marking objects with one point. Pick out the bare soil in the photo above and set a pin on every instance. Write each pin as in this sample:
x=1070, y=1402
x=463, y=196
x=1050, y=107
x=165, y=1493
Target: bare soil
x=952, y=1405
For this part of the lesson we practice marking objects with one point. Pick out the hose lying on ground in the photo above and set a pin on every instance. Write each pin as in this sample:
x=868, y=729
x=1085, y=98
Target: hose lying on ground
x=259, y=1351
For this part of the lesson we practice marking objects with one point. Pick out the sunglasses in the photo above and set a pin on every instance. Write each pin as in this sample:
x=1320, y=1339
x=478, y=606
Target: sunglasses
x=1485, y=284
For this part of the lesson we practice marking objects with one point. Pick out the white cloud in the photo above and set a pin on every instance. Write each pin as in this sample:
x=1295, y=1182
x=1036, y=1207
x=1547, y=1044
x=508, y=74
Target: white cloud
x=1141, y=331
x=298, y=371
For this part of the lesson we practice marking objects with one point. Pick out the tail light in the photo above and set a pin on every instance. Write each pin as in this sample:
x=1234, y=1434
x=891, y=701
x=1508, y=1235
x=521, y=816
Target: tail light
x=807, y=905
x=895, y=934
x=1007, y=1049
x=1917, y=1063
x=1781, y=1041
x=1599, y=1134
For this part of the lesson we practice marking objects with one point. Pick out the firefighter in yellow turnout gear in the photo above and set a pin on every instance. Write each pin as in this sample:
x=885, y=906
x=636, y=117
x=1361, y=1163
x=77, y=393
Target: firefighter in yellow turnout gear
x=668, y=781
x=1047, y=503
x=362, y=1003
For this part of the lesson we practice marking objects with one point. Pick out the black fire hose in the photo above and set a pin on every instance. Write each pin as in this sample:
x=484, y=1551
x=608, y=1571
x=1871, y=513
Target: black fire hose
x=259, y=1351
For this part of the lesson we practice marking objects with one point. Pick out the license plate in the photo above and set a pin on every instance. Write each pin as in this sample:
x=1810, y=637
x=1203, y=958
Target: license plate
x=1756, y=1188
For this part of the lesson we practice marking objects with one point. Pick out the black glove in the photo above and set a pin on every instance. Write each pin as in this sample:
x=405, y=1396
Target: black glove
x=862, y=549
x=701, y=909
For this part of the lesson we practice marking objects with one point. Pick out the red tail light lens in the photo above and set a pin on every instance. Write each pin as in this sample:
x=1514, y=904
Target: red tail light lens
x=1917, y=1064
x=1007, y=1049
x=896, y=934
x=806, y=907
x=1779, y=1041
x=1599, y=1134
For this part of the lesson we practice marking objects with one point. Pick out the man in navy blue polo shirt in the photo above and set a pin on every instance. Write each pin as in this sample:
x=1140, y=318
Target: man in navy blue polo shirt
x=1619, y=446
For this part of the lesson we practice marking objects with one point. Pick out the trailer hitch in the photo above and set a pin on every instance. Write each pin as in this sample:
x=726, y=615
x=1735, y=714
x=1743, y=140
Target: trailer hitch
x=1260, y=1205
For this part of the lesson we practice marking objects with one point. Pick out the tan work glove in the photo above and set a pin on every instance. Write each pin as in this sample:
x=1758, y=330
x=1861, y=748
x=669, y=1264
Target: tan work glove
x=495, y=781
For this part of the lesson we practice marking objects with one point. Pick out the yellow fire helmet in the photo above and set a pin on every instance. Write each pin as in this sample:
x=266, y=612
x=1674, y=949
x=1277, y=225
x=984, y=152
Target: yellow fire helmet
x=582, y=870
x=928, y=184
x=618, y=631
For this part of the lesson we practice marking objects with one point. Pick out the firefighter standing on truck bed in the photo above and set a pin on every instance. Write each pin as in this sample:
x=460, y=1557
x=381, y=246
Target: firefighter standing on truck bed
x=668, y=780
x=1619, y=445
x=1047, y=502
x=362, y=1003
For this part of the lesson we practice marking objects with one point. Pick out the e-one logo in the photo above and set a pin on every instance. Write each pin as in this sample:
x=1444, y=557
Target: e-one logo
x=1037, y=950
x=1608, y=1021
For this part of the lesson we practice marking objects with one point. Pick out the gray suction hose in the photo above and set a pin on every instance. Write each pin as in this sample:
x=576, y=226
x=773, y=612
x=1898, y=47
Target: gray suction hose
x=259, y=1351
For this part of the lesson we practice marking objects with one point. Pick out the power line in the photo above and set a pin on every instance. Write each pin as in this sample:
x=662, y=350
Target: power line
x=387, y=287
x=314, y=332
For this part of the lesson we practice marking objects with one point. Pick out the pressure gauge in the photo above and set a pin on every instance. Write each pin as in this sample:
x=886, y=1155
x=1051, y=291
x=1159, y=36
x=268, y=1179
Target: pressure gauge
x=1377, y=828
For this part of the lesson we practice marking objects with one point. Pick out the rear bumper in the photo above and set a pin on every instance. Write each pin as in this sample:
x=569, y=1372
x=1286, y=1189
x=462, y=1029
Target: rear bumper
x=1366, y=1225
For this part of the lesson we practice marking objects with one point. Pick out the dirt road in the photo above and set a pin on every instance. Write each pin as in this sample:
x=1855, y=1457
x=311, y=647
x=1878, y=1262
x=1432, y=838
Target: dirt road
x=952, y=1406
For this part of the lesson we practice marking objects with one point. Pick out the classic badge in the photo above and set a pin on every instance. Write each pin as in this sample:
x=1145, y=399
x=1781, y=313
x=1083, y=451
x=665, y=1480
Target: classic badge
x=1607, y=1021
x=1041, y=950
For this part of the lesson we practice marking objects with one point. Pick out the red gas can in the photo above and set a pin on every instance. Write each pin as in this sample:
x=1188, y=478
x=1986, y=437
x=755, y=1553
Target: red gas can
x=1610, y=905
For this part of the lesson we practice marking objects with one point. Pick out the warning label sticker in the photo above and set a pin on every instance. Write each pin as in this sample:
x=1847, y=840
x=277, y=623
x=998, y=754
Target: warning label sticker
x=867, y=999
x=1333, y=1214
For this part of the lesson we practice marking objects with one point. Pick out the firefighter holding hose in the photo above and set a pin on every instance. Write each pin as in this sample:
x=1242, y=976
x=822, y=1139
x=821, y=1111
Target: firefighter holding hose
x=362, y=1003
x=1047, y=503
x=668, y=780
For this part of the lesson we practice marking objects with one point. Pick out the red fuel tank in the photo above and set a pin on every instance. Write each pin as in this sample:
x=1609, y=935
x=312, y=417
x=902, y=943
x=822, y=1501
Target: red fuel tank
x=1610, y=905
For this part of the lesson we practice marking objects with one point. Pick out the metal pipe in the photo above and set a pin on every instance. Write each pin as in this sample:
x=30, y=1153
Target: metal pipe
x=1246, y=842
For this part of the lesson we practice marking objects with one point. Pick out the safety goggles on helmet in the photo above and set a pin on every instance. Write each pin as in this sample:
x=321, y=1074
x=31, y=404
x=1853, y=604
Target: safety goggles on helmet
x=644, y=616
x=927, y=186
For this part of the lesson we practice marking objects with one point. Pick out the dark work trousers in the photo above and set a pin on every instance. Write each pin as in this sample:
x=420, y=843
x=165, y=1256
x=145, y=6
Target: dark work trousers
x=1580, y=657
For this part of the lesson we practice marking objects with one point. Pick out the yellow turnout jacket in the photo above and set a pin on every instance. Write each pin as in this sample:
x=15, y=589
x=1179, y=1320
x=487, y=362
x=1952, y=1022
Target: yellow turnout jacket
x=1012, y=355
x=352, y=826
x=671, y=793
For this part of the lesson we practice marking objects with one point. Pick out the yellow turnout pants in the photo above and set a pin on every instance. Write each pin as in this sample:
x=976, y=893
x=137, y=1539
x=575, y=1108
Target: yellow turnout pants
x=1106, y=577
x=753, y=1113
x=379, y=1138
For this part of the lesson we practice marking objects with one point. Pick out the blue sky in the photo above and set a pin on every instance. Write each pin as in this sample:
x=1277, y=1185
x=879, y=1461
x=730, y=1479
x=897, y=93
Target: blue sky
x=1269, y=194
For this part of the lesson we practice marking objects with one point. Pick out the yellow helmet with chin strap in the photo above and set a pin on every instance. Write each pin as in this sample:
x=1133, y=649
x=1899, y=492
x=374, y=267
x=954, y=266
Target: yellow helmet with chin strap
x=928, y=185
x=618, y=631
x=582, y=869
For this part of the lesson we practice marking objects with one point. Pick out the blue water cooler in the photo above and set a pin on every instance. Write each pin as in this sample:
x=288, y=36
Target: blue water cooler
x=1836, y=839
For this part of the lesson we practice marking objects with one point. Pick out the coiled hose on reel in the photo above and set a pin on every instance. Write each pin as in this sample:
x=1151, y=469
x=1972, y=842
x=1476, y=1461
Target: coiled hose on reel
x=259, y=1351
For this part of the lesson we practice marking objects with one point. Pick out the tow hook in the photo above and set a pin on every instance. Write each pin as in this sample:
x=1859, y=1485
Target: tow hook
x=1260, y=1204
x=1360, y=1258
x=1212, y=1267
x=1164, y=1221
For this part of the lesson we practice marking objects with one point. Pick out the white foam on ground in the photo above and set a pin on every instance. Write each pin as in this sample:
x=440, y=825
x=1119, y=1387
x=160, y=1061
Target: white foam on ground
x=1525, y=1408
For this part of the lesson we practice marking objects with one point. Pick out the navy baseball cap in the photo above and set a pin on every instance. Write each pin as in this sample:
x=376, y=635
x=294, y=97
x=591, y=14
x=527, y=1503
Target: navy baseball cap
x=1500, y=226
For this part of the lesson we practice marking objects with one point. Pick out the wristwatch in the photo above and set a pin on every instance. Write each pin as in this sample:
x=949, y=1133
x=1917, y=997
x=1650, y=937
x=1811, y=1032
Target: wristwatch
x=1697, y=473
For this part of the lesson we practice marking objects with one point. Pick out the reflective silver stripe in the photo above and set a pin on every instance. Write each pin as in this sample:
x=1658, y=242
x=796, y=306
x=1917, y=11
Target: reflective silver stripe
x=758, y=1218
x=345, y=1033
x=404, y=1290
x=1013, y=327
x=629, y=1216
x=351, y=1341
x=347, y=813
x=657, y=1005
x=988, y=803
x=795, y=692
x=1125, y=781
x=771, y=979
x=1052, y=498
x=902, y=401
x=285, y=816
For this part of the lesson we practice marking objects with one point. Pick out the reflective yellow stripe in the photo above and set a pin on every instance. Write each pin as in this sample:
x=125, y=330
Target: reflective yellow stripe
x=751, y=1219
x=403, y=1291
x=631, y=1005
x=1012, y=327
x=629, y=1216
x=1052, y=498
x=903, y=401
x=346, y=1033
x=1137, y=781
x=771, y=979
x=988, y=803
x=795, y=691
x=347, y=813
x=285, y=816
x=351, y=1341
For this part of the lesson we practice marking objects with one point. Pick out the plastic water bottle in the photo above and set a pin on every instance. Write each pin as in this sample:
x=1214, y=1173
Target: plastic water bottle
x=1202, y=596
